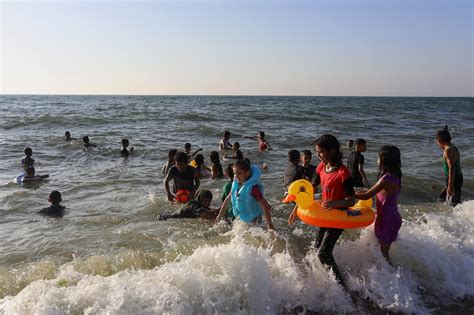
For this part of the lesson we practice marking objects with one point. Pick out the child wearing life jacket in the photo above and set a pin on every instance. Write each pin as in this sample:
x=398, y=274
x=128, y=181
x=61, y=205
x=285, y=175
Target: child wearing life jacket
x=263, y=144
x=387, y=190
x=337, y=188
x=247, y=196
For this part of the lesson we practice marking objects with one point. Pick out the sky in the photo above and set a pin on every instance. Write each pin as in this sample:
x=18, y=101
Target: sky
x=333, y=47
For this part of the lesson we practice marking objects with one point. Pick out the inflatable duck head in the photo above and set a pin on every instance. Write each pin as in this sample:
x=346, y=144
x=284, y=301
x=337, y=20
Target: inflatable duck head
x=301, y=192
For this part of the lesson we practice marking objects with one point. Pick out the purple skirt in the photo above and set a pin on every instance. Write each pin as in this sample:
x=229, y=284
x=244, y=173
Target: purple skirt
x=387, y=226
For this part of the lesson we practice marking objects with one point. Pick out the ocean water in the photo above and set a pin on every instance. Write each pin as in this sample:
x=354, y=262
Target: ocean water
x=110, y=254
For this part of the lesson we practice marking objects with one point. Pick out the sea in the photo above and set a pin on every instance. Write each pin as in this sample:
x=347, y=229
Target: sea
x=109, y=253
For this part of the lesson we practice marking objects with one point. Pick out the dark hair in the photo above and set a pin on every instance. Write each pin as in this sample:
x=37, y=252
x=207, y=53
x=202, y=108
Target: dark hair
x=67, y=133
x=55, y=196
x=125, y=142
x=230, y=171
x=247, y=160
x=226, y=133
x=172, y=154
x=329, y=142
x=307, y=153
x=28, y=151
x=443, y=135
x=359, y=142
x=390, y=161
x=239, y=155
x=294, y=156
x=236, y=144
x=181, y=157
x=187, y=145
x=199, y=159
x=242, y=165
x=262, y=134
x=214, y=157
x=85, y=139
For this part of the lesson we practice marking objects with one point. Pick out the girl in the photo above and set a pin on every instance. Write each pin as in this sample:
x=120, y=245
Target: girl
x=452, y=168
x=201, y=169
x=337, y=188
x=262, y=142
x=387, y=190
x=216, y=167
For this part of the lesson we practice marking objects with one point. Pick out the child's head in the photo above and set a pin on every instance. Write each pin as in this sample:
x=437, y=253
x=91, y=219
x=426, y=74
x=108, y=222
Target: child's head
x=261, y=135
x=350, y=143
x=203, y=197
x=172, y=154
x=181, y=160
x=199, y=159
x=55, y=197
x=85, y=139
x=30, y=171
x=214, y=157
x=187, y=146
x=67, y=135
x=227, y=134
x=236, y=146
x=443, y=137
x=328, y=150
x=306, y=157
x=125, y=143
x=294, y=156
x=28, y=151
x=390, y=160
x=360, y=145
x=242, y=171
x=230, y=171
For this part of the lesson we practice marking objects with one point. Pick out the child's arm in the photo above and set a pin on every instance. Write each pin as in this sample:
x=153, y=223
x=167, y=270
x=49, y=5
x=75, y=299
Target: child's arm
x=291, y=218
x=267, y=211
x=362, y=173
x=223, y=208
x=450, y=156
x=254, y=138
x=269, y=147
x=196, y=152
x=196, y=185
x=42, y=176
x=367, y=194
x=167, y=188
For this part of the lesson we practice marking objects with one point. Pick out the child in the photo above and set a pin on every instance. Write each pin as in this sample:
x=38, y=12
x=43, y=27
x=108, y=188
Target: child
x=451, y=193
x=183, y=176
x=55, y=210
x=262, y=142
x=337, y=188
x=225, y=143
x=199, y=207
x=238, y=155
x=226, y=191
x=246, y=195
x=124, y=152
x=308, y=168
x=87, y=144
x=30, y=176
x=187, y=149
x=202, y=170
x=67, y=137
x=216, y=167
x=294, y=171
x=171, y=156
x=387, y=190
x=355, y=164
x=27, y=161
x=350, y=144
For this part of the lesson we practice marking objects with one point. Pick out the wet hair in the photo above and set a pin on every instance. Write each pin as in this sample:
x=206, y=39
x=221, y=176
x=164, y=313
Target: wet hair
x=67, y=134
x=187, y=146
x=181, y=157
x=390, y=161
x=55, y=196
x=230, y=171
x=307, y=153
x=359, y=142
x=125, y=142
x=214, y=157
x=261, y=134
x=247, y=160
x=28, y=151
x=85, y=139
x=242, y=165
x=172, y=154
x=329, y=142
x=226, y=133
x=236, y=146
x=30, y=170
x=199, y=159
x=294, y=156
x=443, y=135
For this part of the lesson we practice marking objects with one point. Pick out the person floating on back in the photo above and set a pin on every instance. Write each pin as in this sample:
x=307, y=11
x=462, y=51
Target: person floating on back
x=263, y=144
x=225, y=144
x=198, y=207
x=451, y=193
x=246, y=195
x=184, y=177
x=27, y=161
x=387, y=190
x=87, y=143
x=171, y=161
x=124, y=152
x=355, y=164
x=55, y=209
x=187, y=149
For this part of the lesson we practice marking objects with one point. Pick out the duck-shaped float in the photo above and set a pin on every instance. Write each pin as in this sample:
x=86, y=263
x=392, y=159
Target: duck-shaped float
x=311, y=211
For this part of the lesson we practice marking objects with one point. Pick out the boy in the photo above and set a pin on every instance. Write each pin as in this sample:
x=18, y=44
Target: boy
x=183, y=176
x=67, y=137
x=187, y=149
x=27, y=161
x=308, y=168
x=30, y=175
x=124, y=152
x=294, y=171
x=246, y=195
x=225, y=143
x=238, y=155
x=87, y=144
x=199, y=207
x=55, y=210
x=355, y=164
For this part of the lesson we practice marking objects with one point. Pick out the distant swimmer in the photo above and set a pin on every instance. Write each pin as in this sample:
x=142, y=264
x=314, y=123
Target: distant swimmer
x=55, y=209
x=238, y=155
x=28, y=161
x=67, y=137
x=125, y=152
x=198, y=207
x=87, y=143
x=29, y=176
x=263, y=144
x=225, y=144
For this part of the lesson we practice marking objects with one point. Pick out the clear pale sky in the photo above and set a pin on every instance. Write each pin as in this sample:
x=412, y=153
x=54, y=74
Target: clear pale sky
x=333, y=47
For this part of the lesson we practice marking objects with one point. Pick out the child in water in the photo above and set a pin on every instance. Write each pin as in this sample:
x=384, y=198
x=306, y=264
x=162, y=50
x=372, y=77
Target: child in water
x=55, y=210
x=238, y=155
x=171, y=156
x=247, y=196
x=183, y=175
x=201, y=169
x=67, y=137
x=355, y=164
x=387, y=190
x=198, y=207
x=294, y=171
x=216, y=167
x=30, y=176
x=225, y=143
x=28, y=161
x=337, y=188
x=187, y=149
x=451, y=193
x=87, y=143
x=263, y=144
x=308, y=168
x=124, y=152
x=226, y=191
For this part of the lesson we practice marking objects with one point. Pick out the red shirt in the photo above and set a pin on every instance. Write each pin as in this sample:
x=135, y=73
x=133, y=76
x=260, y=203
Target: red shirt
x=333, y=184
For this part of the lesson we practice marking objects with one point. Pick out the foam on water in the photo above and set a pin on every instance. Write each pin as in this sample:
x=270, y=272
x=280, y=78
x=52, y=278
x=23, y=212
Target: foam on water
x=253, y=272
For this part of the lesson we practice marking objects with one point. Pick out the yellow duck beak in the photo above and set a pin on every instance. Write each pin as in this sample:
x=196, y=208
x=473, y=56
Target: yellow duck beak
x=289, y=198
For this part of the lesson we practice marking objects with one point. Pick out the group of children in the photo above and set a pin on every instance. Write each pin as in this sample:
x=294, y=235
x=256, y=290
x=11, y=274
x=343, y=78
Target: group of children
x=340, y=185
